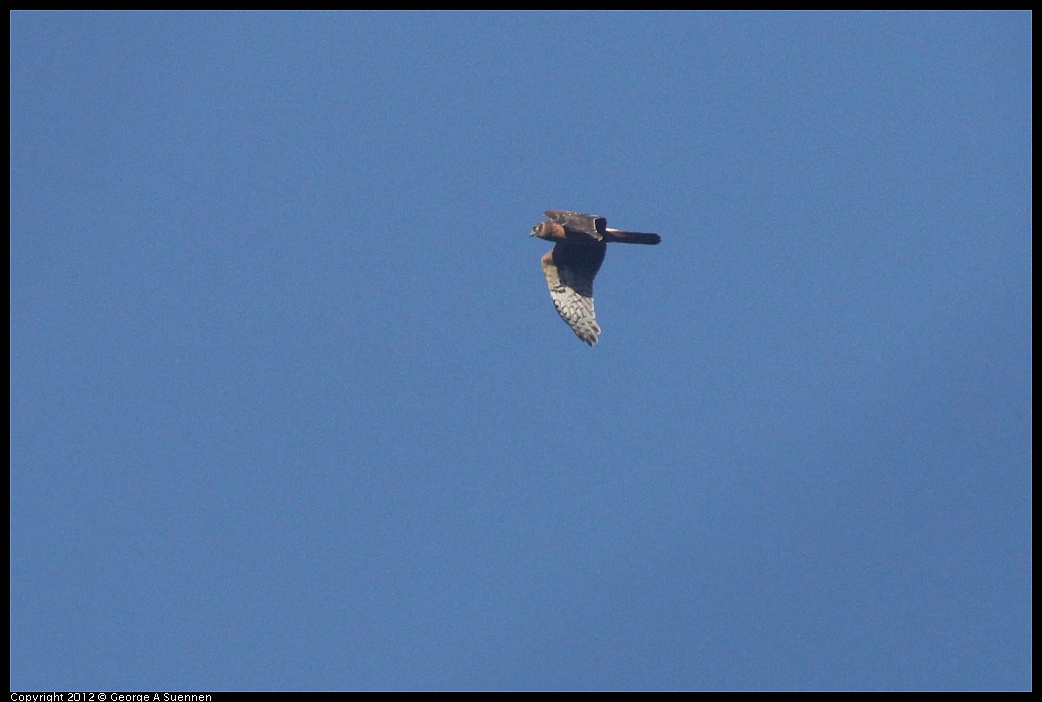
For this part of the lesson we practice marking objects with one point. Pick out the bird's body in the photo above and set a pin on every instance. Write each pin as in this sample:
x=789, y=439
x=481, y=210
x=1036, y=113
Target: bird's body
x=580, y=244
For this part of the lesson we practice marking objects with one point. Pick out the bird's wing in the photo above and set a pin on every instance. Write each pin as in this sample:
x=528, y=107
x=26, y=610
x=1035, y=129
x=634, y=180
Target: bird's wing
x=569, y=272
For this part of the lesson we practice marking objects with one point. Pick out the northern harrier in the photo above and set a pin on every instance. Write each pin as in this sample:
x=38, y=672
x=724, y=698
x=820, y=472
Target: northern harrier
x=580, y=243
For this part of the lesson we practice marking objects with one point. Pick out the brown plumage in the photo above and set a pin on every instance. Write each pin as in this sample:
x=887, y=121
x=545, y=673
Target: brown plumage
x=580, y=244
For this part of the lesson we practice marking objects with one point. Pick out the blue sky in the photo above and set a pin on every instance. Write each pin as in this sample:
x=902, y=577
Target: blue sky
x=291, y=407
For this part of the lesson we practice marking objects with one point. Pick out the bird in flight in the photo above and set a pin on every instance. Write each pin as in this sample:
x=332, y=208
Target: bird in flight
x=580, y=241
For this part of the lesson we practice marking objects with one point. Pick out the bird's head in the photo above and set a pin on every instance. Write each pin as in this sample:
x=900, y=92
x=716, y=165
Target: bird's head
x=547, y=230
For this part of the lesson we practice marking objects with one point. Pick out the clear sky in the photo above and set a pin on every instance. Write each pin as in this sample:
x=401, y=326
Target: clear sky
x=291, y=408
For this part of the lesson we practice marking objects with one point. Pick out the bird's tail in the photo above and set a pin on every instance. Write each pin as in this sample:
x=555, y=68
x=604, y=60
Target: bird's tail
x=624, y=237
